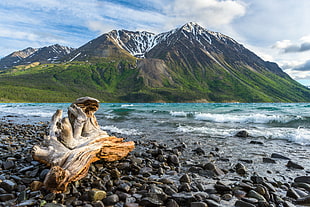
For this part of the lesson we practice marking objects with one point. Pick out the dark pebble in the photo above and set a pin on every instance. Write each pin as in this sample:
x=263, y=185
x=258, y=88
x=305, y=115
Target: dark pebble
x=279, y=156
x=291, y=164
x=302, y=179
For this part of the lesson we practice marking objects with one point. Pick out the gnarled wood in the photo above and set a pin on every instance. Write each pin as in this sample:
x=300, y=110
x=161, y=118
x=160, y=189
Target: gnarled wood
x=74, y=142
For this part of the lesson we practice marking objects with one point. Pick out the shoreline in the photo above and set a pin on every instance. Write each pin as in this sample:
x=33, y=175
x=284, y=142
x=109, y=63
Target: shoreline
x=157, y=173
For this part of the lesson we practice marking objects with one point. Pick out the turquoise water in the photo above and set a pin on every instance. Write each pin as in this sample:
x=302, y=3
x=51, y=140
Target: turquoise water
x=284, y=121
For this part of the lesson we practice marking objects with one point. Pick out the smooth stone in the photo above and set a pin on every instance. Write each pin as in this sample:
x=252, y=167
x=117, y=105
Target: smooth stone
x=131, y=205
x=148, y=201
x=124, y=187
x=198, y=204
x=292, y=193
x=212, y=203
x=242, y=133
x=36, y=185
x=268, y=160
x=291, y=164
x=185, y=178
x=173, y=159
x=97, y=204
x=8, y=165
x=6, y=197
x=96, y=194
x=172, y=203
x=8, y=185
x=288, y=204
x=26, y=169
x=279, y=156
x=241, y=203
x=254, y=194
x=303, y=200
x=43, y=174
x=111, y=199
x=115, y=173
x=302, y=179
x=29, y=202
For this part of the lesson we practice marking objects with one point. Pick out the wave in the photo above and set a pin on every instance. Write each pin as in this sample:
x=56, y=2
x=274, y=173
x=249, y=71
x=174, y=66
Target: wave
x=124, y=131
x=249, y=118
x=180, y=113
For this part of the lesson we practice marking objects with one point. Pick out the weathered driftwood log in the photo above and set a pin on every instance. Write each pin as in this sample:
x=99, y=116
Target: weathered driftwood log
x=74, y=142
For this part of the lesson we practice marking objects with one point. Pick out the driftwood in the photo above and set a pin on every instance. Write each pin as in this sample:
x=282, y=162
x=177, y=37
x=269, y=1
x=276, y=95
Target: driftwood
x=74, y=142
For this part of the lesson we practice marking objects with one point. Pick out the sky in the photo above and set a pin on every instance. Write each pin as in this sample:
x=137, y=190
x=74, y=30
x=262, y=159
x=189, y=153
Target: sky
x=276, y=30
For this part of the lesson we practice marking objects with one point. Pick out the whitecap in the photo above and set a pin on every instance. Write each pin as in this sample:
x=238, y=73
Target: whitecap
x=124, y=131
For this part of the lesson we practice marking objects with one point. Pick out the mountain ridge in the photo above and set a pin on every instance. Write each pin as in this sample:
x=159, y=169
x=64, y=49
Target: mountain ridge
x=181, y=65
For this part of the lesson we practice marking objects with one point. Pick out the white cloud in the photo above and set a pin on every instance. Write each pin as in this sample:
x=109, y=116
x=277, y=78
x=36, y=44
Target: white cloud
x=211, y=13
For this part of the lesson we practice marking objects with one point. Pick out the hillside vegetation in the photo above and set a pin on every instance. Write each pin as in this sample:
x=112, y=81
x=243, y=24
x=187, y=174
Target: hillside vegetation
x=120, y=80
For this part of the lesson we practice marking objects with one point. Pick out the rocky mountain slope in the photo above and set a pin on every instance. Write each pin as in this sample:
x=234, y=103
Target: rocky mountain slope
x=189, y=63
x=49, y=54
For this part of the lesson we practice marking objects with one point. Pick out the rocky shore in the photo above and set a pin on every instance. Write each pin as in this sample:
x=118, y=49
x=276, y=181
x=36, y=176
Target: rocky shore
x=156, y=173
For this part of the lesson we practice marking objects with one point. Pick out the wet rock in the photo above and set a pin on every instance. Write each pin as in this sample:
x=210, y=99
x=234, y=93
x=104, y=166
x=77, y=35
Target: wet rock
x=185, y=178
x=240, y=169
x=30, y=202
x=43, y=174
x=8, y=185
x=35, y=185
x=148, y=201
x=268, y=160
x=172, y=203
x=198, y=204
x=8, y=165
x=111, y=200
x=173, y=159
x=291, y=164
x=96, y=194
x=302, y=179
x=131, y=205
x=115, y=174
x=256, y=142
x=303, y=200
x=288, y=204
x=6, y=197
x=199, y=151
x=212, y=203
x=242, y=133
x=254, y=194
x=292, y=193
x=279, y=156
x=241, y=203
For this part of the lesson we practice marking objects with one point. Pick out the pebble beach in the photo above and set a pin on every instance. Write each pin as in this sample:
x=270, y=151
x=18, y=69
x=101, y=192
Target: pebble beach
x=171, y=172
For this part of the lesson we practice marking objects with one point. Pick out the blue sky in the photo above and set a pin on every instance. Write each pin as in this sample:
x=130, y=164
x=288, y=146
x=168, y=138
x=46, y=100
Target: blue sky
x=276, y=30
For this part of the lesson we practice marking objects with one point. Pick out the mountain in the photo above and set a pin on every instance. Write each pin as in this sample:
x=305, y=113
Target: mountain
x=49, y=54
x=186, y=64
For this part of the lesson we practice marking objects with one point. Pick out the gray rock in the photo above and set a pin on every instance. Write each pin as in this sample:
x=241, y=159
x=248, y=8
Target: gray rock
x=8, y=185
x=198, y=204
x=185, y=178
x=303, y=200
x=268, y=160
x=172, y=203
x=279, y=156
x=212, y=203
x=302, y=179
x=291, y=164
x=148, y=201
x=8, y=165
x=241, y=203
x=242, y=133
x=6, y=197
x=173, y=159
x=111, y=200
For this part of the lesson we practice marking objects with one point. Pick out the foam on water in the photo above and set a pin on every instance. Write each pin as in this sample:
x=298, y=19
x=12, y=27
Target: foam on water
x=124, y=131
x=248, y=118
